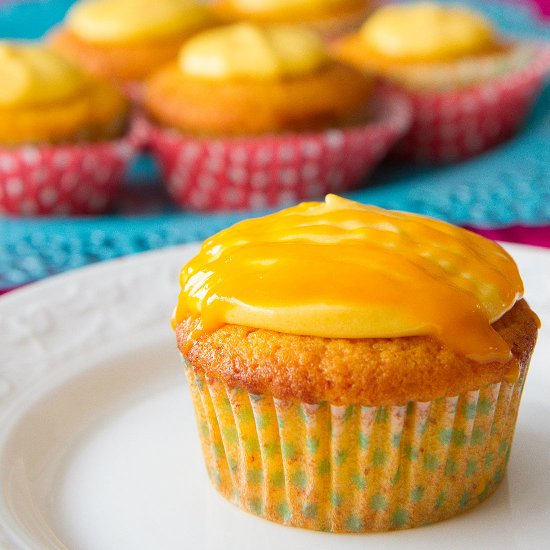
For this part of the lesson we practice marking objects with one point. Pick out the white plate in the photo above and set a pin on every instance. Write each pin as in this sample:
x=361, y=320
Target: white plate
x=98, y=449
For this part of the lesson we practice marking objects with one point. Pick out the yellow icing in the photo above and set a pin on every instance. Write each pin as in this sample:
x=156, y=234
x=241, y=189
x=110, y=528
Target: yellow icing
x=114, y=21
x=426, y=31
x=244, y=50
x=340, y=269
x=291, y=8
x=32, y=75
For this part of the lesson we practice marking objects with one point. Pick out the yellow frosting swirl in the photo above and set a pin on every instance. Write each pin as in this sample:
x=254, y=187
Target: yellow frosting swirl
x=32, y=75
x=244, y=50
x=115, y=21
x=340, y=269
x=426, y=31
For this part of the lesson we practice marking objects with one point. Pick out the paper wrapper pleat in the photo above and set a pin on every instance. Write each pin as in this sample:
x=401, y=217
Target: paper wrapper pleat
x=64, y=179
x=453, y=125
x=257, y=172
x=461, y=73
x=355, y=468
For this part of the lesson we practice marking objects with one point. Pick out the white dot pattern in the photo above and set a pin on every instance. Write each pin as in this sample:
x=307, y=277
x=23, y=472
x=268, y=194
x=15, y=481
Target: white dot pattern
x=450, y=126
x=62, y=179
x=274, y=170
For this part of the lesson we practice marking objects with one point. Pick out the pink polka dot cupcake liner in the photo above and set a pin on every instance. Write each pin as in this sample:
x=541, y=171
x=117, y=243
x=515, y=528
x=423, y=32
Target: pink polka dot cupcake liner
x=274, y=170
x=73, y=179
x=461, y=73
x=450, y=126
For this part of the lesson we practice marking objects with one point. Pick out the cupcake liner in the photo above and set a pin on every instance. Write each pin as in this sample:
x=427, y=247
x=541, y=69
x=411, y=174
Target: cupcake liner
x=62, y=179
x=454, y=125
x=274, y=170
x=355, y=468
x=460, y=73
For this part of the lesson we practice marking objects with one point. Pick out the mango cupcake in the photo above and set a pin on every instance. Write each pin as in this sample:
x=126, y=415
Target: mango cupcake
x=331, y=18
x=470, y=87
x=354, y=369
x=62, y=135
x=125, y=40
x=254, y=116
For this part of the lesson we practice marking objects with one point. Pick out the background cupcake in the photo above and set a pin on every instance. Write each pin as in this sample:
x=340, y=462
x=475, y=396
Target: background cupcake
x=61, y=134
x=263, y=111
x=360, y=405
x=331, y=18
x=124, y=40
x=470, y=87
x=425, y=46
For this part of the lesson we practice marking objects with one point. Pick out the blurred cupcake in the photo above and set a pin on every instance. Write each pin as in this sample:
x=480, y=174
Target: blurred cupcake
x=331, y=18
x=463, y=78
x=124, y=40
x=262, y=115
x=426, y=46
x=62, y=145
x=354, y=369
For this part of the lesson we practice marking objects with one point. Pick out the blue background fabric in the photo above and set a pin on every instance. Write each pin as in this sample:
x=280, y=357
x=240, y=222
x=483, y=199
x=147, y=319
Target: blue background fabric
x=507, y=185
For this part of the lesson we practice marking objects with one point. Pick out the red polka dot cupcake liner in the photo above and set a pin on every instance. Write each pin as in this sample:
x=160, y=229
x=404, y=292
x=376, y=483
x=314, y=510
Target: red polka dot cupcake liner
x=460, y=73
x=274, y=170
x=73, y=179
x=450, y=126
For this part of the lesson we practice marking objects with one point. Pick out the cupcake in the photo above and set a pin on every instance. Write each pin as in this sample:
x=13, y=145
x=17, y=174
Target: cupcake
x=262, y=111
x=62, y=144
x=331, y=18
x=470, y=88
x=354, y=369
x=125, y=40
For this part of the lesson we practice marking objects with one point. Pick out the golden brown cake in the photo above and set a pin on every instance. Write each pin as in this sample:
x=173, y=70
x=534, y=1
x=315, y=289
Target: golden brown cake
x=370, y=371
x=354, y=369
x=124, y=40
x=253, y=88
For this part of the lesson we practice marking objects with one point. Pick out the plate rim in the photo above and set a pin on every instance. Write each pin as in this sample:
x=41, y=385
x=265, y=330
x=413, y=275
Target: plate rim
x=140, y=267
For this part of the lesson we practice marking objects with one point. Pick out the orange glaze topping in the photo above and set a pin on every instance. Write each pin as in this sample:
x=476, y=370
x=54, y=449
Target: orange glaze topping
x=340, y=269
